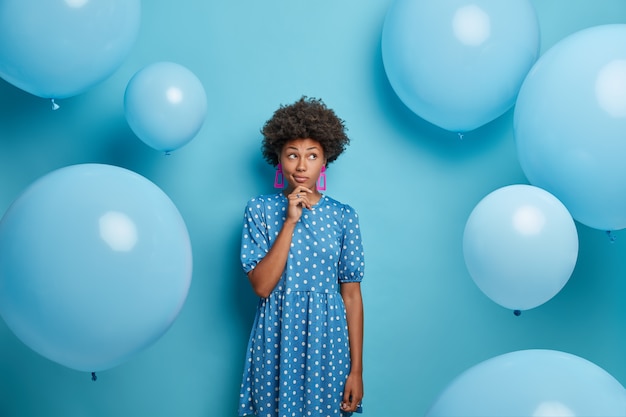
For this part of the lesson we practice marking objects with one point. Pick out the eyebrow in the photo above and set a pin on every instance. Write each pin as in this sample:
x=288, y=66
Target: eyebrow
x=307, y=149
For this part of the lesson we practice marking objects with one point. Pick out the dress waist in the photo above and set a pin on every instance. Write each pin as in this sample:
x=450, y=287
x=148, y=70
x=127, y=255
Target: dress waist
x=307, y=291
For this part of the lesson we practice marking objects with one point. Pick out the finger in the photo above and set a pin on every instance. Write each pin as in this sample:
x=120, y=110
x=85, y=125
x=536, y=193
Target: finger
x=299, y=193
x=302, y=190
x=296, y=198
x=349, y=407
x=299, y=198
x=352, y=402
x=346, y=404
x=302, y=200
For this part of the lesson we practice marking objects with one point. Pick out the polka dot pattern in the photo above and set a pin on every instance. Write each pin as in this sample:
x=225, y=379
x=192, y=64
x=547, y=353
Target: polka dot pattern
x=298, y=356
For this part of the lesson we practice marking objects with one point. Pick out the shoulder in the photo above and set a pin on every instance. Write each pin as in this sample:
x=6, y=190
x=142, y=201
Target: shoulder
x=342, y=208
x=263, y=199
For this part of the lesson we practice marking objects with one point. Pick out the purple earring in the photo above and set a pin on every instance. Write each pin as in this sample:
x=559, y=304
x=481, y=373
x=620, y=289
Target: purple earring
x=321, y=181
x=279, y=180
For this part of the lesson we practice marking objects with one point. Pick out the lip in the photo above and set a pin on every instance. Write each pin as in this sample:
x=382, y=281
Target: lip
x=300, y=179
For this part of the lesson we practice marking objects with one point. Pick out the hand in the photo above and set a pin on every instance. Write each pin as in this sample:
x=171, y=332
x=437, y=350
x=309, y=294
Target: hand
x=352, y=393
x=298, y=198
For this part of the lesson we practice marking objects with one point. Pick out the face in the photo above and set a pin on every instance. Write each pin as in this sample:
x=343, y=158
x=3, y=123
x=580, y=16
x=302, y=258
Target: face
x=302, y=161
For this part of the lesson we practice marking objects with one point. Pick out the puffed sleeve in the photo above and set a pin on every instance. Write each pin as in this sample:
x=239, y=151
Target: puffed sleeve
x=351, y=260
x=254, y=239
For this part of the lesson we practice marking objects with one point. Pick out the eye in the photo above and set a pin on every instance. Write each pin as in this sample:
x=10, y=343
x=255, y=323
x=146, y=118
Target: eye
x=292, y=156
x=313, y=156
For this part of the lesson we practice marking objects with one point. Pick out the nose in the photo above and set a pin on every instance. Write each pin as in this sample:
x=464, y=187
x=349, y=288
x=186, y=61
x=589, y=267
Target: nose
x=301, y=165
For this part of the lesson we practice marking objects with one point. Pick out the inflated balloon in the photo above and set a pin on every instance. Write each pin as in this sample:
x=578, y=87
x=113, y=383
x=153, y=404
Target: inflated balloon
x=536, y=382
x=165, y=105
x=58, y=49
x=95, y=265
x=569, y=124
x=520, y=246
x=459, y=64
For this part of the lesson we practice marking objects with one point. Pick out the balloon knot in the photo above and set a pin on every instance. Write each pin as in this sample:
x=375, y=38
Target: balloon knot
x=55, y=106
x=460, y=135
x=611, y=236
x=517, y=312
x=94, y=377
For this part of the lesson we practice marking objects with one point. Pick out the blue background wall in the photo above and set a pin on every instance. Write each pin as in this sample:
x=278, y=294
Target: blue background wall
x=413, y=184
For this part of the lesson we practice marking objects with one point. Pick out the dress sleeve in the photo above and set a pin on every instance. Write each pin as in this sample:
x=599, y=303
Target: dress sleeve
x=254, y=239
x=351, y=260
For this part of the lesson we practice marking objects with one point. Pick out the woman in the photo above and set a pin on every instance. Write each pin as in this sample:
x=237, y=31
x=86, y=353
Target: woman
x=303, y=255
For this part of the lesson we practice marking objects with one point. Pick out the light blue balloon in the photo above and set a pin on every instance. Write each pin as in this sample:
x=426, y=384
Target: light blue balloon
x=459, y=64
x=165, y=105
x=58, y=49
x=569, y=124
x=520, y=246
x=535, y=382
x=95, y=265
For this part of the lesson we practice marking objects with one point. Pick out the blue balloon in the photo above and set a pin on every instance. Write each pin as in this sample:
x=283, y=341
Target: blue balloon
x=165, y=105
x=459, y=64
x=569, y=124
x=535, y=382
x=58, y=49
x=520, y=246
x=95, y=265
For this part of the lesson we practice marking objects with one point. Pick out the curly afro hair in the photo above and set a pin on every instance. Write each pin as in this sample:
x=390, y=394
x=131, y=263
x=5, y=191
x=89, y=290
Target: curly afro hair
x=307, y=118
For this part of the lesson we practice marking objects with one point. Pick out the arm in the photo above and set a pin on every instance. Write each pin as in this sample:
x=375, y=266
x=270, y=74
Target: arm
x=353, y=391
x=268, y=271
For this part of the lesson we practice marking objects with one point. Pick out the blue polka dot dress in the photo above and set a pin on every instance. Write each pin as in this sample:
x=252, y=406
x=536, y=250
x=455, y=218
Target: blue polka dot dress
x=298, y=356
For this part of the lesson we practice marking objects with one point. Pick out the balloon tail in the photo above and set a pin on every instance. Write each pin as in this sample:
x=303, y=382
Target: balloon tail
x=167, y=153
x=611, y=236
x=460, y=135
x=94, y=377
x=55, y=106
x=517, y=312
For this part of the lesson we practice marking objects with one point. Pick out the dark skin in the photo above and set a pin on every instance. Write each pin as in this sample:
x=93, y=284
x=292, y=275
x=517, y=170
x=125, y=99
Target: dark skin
x=302, y=161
